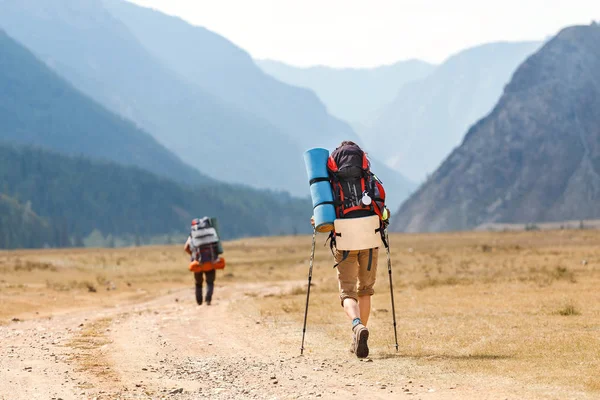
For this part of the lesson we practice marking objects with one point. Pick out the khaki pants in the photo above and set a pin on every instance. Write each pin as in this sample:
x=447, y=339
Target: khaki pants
x=357, y=270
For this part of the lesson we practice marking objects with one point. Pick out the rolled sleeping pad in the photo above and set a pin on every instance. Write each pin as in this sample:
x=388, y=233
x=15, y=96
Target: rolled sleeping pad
x=321, y=194
x=315, y=161
x=215, y=224
x=323, y=217
x=196, y=266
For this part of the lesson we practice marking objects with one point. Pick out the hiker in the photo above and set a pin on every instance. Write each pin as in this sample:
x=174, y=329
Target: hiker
x=203, y=246
x=357, y=193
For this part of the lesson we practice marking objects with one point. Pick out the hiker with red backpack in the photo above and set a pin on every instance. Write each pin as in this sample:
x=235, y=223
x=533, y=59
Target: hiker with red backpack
x=204, y=247
x=361, y=219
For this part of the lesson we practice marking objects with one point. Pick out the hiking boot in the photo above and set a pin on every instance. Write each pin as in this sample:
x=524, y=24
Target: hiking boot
x=353, y=346
x=361, y=336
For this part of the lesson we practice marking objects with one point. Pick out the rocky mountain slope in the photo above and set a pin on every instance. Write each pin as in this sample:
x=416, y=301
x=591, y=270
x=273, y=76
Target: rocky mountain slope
x=534, y=158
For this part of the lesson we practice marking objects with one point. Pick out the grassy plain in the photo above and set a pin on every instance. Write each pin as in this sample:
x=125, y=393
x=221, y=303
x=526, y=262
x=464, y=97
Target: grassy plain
x=521, y=306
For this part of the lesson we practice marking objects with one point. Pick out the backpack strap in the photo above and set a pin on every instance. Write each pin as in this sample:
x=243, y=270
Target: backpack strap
x=332, y=242
x=381, y=231
x=315, y=180
x=366, y=165
x=333, y=203
x=338, y=195
x=332, y=165
x=345, y=254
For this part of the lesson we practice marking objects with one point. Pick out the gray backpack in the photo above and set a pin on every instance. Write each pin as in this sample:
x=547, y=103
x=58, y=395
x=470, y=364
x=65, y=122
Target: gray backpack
x=203, y=233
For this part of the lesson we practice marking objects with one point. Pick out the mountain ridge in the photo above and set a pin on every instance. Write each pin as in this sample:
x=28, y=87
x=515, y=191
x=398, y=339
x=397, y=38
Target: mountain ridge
x=225, y=70
x=39, y=107
x=98, y=55
x=534, y=158
x=430, y=116
x=352, y=94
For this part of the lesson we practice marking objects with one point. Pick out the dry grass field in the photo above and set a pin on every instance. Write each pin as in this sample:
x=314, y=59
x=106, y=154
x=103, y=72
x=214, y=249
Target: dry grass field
x=480, y=315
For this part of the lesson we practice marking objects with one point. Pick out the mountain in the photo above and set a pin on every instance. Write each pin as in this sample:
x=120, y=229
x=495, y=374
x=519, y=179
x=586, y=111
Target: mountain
x=38, y=107
x=226, y=71
x=534, y=158
x=352, y=94
x=223, y=69
x=79, y=196
x=256, y=139
x=429, y=117
x=96, y=52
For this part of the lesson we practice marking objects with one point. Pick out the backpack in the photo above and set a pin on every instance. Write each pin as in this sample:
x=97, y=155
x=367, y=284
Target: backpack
x=204, y=240
x=357, y=191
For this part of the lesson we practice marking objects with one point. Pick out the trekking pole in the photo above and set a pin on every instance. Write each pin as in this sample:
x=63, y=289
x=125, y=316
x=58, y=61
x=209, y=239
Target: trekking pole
x=312, y=257
x=389, y=260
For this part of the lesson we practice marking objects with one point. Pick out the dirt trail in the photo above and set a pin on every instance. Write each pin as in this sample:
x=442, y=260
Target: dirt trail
x=170, y=348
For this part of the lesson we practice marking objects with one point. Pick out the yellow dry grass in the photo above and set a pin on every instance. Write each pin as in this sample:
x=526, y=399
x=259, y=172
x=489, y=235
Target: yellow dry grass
x=524, y=306
x=520, y=305
x=52, y=281
x=87, y=344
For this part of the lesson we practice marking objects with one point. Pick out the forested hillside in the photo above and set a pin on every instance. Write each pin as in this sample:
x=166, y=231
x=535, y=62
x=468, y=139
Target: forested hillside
x=21, y=227
x=77, y=196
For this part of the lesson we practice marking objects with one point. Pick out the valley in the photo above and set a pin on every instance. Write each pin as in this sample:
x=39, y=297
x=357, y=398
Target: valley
x=480, y=315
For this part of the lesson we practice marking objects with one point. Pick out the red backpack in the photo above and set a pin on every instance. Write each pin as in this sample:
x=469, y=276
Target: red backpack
x=357, y=191
x=352, y=181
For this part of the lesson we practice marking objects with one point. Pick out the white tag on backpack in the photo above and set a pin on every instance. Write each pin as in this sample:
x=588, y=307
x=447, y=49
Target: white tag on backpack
x=366, y=200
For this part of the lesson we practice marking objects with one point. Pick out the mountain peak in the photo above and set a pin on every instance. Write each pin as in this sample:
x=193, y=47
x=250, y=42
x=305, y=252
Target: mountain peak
x=576, y=43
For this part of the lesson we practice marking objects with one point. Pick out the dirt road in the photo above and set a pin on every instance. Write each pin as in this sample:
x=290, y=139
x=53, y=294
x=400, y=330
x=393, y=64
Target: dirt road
x=171, y=348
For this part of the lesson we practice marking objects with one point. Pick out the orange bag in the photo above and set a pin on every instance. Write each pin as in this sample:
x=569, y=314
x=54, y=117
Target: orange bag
x=220, y=263
x=196, y=266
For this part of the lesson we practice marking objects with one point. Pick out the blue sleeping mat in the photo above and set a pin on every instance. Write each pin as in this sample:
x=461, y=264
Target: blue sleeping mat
x=315, y=161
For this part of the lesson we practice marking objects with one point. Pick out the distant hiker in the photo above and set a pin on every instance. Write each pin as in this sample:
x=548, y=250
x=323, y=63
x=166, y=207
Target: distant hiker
x=362, y=217
x=204, y=247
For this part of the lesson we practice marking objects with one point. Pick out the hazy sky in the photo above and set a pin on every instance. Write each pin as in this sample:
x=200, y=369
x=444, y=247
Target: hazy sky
x=344, y=33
